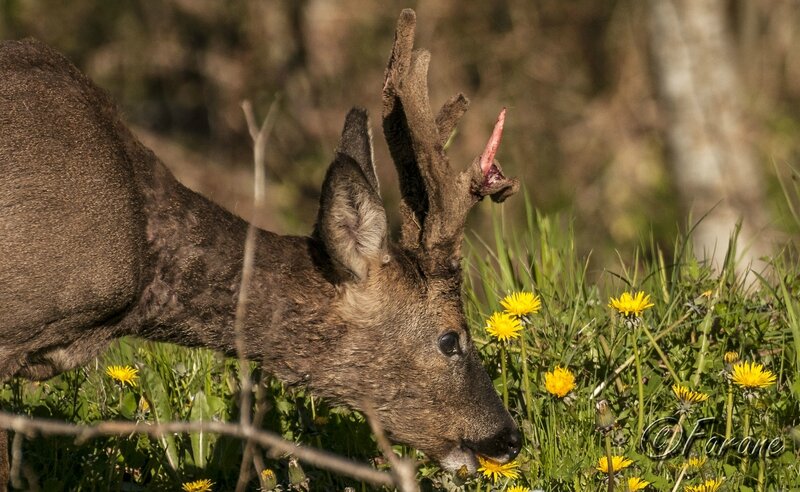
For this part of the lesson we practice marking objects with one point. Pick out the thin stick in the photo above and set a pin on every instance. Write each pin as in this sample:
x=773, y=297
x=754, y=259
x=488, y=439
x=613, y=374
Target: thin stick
x=404, y=471
x=259, y=136
x=315, y=457
x=16, y=460
x=680, y=477
x=250, y=453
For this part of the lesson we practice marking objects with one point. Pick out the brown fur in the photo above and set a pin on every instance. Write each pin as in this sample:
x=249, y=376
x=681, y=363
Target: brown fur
x=100, y=241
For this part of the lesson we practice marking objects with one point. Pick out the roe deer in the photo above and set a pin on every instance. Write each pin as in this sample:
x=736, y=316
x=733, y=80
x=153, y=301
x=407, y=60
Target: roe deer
x=99, y=241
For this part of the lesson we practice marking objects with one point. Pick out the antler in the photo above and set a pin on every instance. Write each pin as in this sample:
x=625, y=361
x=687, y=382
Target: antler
x=435, y=200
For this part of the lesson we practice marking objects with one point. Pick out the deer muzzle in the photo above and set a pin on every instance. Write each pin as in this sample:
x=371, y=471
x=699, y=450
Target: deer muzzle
x=500, y=448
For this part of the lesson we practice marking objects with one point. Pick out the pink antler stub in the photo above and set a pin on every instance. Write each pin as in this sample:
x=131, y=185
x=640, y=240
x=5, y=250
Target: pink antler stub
x=494, y=182
x=487, y=158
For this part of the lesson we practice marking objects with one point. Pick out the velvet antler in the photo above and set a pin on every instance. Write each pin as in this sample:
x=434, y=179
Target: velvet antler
x=435, y=199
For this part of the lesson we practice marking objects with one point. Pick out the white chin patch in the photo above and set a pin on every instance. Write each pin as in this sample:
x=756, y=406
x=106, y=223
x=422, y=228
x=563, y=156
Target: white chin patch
x=458, y=458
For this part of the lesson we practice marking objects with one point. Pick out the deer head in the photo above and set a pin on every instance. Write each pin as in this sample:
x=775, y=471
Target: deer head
x=425, y=381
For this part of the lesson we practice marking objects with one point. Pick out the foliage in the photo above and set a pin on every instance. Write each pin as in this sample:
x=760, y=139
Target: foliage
x=585, y=124
x=698, y=316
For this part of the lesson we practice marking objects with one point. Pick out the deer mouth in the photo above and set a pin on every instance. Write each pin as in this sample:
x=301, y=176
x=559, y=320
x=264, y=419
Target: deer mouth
x=465, y=458
x=461, y=458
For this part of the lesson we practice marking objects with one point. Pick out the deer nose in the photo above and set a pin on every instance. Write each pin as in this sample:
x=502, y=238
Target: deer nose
x=513, y=443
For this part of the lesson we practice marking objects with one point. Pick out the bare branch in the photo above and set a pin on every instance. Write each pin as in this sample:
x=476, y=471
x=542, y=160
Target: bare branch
x=404, y=471
x=250, y=454
x=259, y=136
x=314, y=457
x=16, y=461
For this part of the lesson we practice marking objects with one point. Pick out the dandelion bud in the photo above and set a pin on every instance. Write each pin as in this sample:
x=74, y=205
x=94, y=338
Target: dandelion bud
x=297, y=477
x=605, y=419
x=268, y=480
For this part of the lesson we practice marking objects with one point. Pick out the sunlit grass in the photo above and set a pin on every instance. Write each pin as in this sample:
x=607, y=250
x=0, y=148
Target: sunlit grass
x=696, y=318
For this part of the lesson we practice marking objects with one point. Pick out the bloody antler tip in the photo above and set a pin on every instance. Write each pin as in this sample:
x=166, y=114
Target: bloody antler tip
x=498, y=127
x=494, y=143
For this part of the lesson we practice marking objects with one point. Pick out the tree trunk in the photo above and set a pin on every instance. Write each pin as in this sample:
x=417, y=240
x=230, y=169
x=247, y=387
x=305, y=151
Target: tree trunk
x=706, y=127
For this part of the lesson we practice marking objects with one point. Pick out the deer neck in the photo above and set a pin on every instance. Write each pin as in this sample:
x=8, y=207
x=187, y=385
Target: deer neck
x=196, y=252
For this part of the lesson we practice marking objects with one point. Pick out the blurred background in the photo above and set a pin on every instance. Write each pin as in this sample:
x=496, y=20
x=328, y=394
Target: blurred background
x=629, y=119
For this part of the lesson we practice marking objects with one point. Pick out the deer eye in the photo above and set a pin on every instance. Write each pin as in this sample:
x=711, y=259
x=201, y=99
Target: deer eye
x=448, y=344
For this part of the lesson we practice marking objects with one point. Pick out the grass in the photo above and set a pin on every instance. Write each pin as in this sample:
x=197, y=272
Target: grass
x=698, y=315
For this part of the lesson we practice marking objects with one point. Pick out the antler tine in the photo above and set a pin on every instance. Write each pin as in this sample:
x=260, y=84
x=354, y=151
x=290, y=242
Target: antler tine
x=448, y=116
x=413, y=134
x=435, y=201
x=414, y=202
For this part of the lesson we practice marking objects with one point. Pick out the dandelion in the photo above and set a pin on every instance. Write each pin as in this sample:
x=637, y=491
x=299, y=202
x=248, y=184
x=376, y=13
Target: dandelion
x=707, y=486
x=559, y=382
x=730, y=357
x=494, y=470
x=123, y=375
x=503, y=326
x=521, y=303
x=203, y=485
x=631, y=306
x=687, y=398
x=751, y=375
x=685, y=395
x=696, y=462
x=518, y=488
x=268, y=479
x=144, y=406
x=636, y=483
x=617, y=463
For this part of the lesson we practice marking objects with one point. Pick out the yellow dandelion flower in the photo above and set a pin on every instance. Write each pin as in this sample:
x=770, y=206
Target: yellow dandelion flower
x=559, y=382
x=730, y=357
x=268, y=478
x=636, y=483
x=696, y=462
x=707, y=293
x=707, y=486
x=521, y=303
x=617, y=463
x=144, y=405
x=123, y=375
x=495, y=471
x=631, y=306
x=203, y=485
x=503, y=326
x=518, y=488
x=750, y=375
x=687, y=396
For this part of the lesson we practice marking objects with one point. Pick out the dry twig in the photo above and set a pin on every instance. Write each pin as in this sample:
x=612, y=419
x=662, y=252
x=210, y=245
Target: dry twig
x=315, y=457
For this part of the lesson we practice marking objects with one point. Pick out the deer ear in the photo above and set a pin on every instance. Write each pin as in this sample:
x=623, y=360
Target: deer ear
x=356, y=142
x=352, y=221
